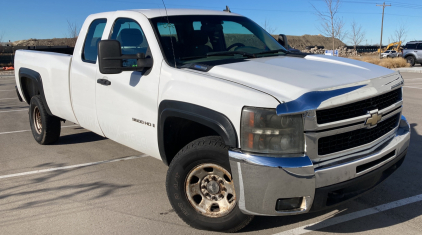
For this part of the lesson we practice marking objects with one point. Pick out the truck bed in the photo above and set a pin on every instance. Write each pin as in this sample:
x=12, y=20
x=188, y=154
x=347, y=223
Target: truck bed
x=56, y=49
x=53, y=69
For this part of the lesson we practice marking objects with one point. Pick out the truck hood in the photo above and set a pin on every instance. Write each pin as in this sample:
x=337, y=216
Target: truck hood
x=286, y=78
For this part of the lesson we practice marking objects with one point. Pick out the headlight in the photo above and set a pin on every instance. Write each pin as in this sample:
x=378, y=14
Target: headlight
x=263, y=131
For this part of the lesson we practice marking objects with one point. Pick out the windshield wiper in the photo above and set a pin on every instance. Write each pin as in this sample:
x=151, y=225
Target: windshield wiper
x=220, y=53
x=249, y=55
x=273, y=52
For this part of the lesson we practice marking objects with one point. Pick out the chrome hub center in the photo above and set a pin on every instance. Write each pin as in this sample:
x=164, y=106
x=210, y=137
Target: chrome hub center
x=213, y=187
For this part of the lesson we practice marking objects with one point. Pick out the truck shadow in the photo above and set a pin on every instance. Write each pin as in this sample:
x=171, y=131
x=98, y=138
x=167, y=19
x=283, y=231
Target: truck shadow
x=135, y=78
x=47, y=189
x=401, y=184
x=79, y=138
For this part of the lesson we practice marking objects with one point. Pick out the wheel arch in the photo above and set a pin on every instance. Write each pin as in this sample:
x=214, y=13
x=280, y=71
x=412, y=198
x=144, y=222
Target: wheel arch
x=176, y=120
x=30, y=83
x=409, y=55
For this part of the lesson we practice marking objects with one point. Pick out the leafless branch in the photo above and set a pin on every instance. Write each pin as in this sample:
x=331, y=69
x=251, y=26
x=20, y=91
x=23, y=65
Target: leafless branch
x=267, y=26
x=331, y=25
x=72, y=33
x=400, y=34
x=357, y=35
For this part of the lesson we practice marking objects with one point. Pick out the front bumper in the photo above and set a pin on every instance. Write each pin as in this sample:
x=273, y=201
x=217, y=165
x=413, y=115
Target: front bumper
x=261, y=180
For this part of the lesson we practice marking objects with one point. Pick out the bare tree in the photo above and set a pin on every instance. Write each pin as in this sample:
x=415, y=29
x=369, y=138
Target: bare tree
x=267, y=26
x=400, y=34
x=72, y=33
x=357, y=34
x=331, y=24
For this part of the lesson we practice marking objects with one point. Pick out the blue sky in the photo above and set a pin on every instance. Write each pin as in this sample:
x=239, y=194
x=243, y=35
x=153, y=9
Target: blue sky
x=43, y=19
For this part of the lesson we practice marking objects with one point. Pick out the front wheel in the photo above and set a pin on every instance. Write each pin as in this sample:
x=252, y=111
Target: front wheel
x=45, y=128
x=201, y=189
x=411, y=60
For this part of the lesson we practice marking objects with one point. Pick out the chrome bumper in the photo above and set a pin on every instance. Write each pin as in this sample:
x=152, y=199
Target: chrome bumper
x=261, y=180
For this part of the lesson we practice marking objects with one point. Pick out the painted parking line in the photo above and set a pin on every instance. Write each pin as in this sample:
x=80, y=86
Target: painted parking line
x=351, y=216
x=16, y=110
x=13, y=132
x=72, y=166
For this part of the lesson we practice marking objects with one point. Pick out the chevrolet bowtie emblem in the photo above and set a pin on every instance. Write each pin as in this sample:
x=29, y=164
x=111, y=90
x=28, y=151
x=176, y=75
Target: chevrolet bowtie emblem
x=374, y=119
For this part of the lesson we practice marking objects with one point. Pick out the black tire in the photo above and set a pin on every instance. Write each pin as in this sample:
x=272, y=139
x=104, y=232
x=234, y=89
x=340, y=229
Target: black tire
x=49, y=130
x=411, y=60
x=206, y=150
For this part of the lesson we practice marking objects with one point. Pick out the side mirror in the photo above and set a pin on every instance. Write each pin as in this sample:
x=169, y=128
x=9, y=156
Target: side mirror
x=111, y=59
x=282, y=39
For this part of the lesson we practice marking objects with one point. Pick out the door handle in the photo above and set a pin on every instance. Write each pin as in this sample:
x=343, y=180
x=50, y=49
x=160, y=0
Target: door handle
x=104, y=82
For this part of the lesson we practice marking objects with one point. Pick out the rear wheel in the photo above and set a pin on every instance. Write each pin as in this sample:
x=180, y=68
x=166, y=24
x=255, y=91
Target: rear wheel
x=200, y=187
x=411, y=60
x=45, y=128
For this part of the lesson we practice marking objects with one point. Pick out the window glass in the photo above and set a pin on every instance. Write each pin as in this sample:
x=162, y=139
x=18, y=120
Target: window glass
x=131, y=37
x=93, y=37
x=419, y=46
x=410, y=46
x=237, y=33
x=166, y=29
x=204, y=39
x=197, y=25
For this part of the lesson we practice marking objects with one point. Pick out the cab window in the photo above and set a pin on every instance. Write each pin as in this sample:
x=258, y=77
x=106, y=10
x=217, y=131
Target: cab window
x=131, y=37
x=93, y=37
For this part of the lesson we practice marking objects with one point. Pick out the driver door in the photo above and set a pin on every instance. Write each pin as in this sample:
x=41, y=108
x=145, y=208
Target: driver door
x=127, y=102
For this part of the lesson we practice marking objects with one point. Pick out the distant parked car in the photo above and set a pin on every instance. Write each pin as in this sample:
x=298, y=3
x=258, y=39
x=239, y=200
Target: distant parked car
x=412, y=52
x=389, y=54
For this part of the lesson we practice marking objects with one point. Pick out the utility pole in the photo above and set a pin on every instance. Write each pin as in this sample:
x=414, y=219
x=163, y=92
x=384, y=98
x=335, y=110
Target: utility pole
x=382, y=22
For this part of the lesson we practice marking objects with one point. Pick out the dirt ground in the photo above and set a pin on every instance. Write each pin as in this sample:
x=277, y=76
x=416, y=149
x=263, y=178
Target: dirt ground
x=46, y=42
x=301, y=42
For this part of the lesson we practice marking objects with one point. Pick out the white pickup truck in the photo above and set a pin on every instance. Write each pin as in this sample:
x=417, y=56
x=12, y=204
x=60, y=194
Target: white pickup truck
x=246, y=127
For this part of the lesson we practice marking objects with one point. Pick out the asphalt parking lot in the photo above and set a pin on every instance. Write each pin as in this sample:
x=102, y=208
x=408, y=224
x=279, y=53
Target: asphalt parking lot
x=86, y=184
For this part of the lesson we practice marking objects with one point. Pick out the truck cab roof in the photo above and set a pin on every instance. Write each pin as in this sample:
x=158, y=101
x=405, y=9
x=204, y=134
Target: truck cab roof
x=153, y=13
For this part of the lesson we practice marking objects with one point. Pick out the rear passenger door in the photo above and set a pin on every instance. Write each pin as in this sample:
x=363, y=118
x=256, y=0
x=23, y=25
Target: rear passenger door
x=419, y=52
x=127, y=104
x=82, y=76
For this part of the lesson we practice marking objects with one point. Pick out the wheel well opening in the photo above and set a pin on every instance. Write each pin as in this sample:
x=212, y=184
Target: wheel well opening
x=29, y=88
x=178, y=132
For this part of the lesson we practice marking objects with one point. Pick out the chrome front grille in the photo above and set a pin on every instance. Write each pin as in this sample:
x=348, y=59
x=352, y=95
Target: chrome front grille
x=358, y=108
x=351, y=139
x=352, y=135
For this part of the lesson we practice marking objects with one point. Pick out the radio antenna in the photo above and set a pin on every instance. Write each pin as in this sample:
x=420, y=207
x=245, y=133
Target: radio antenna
x=171, y=37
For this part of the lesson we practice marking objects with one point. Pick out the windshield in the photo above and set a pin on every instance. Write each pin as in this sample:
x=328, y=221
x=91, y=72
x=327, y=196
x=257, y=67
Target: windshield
x=212, y=40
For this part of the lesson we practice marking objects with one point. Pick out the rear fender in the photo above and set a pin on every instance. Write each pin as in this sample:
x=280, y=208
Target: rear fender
x=30, y=83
